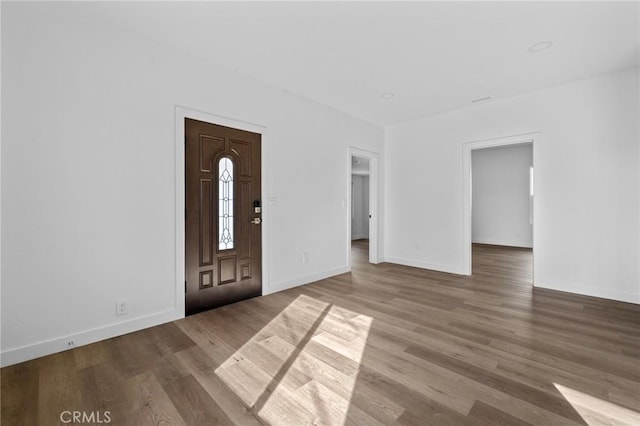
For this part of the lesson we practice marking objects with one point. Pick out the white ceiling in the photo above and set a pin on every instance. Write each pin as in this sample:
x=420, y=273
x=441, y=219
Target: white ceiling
x=434, y=56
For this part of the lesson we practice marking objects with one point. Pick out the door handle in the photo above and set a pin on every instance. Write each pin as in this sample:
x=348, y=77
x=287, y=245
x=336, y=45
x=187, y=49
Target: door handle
x=256, y=221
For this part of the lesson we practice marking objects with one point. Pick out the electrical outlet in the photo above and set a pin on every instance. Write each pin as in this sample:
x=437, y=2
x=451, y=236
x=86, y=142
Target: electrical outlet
x=305, y=257
x=121, y=307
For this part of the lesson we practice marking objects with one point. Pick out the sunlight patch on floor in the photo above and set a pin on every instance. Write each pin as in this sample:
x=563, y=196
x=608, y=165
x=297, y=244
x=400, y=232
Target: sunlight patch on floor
x=596, y=411
x=301, y=368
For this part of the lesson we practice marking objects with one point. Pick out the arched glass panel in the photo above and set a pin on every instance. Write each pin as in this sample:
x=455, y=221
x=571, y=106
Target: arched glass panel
x=225, y=204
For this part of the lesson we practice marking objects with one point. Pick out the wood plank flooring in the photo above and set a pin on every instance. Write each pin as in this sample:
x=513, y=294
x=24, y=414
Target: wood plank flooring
x=385, y=344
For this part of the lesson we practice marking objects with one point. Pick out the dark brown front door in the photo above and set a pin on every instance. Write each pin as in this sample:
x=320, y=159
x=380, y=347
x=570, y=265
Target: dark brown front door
x=223, y=243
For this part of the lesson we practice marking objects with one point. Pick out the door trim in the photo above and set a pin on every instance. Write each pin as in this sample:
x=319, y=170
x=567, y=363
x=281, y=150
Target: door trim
x=534, y=139
x=374, y=200
x=180, y=114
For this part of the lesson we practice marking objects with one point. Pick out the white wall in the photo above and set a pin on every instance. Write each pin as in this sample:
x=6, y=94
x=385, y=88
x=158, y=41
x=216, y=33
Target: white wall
x=360, y=205
x=1, y=174
x=88, y=175
x=500, y=191
x=590, y=183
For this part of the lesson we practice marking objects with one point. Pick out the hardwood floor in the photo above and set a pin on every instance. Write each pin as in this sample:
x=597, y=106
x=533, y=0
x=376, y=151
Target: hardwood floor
x=386, y=344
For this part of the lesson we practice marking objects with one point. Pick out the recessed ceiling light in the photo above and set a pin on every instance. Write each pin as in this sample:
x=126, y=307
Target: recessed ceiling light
x=387, y=95
x=540, y=46
x=479, y=100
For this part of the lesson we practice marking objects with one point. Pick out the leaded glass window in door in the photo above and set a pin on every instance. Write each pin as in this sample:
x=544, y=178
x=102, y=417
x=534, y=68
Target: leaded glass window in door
x=225, y=204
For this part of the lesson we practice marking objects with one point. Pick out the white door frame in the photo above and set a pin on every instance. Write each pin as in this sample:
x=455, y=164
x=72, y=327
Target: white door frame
x=533, y=138
x=180, y=114
x=374, y=208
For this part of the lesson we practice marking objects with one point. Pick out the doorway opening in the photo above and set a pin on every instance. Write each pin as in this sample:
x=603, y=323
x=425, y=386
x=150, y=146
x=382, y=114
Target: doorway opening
x=360, y=208
x=501, y=207
x=362, y=217
x=501, y=211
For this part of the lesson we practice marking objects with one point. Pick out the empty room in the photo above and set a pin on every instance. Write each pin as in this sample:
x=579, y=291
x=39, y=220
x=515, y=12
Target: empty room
x=320, y=213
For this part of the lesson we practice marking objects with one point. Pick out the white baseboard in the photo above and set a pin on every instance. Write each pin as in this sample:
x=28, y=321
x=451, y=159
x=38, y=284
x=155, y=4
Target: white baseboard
x=285, y=285
x=359, y=237
x=525, y=244
x=424, y=265
x=602, y=293
x=59, y=344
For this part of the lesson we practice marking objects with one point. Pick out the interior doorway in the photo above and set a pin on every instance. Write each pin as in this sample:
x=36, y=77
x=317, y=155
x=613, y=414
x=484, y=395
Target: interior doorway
x=362, y=217
x=360, y=208
x=501, y=205
x=502, y=212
